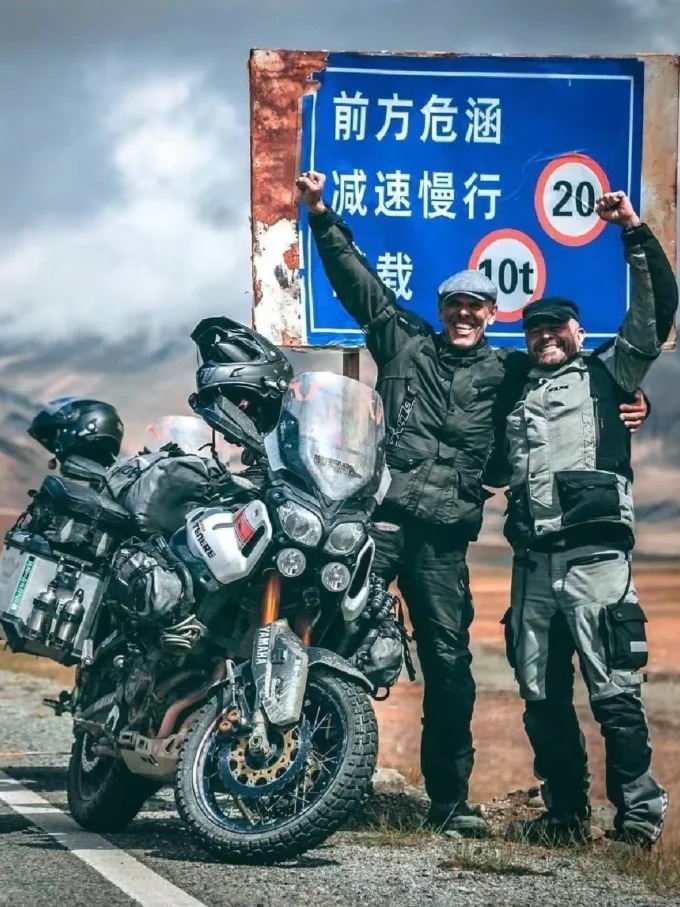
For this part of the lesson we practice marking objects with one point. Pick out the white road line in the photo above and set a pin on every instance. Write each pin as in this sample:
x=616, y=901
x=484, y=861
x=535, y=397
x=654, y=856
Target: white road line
x=141, y=884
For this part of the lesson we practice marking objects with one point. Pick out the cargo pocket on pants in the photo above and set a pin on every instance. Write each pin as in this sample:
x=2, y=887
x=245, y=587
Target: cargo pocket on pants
x=506, y=621
x=625, y=636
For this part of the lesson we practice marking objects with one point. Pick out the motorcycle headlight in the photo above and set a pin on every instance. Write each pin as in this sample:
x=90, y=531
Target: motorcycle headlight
x=291, y=562
x=300, y=524
x=335, y=577
x=344, y=538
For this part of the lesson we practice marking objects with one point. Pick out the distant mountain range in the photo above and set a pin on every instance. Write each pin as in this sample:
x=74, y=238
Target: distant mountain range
x=144, y=385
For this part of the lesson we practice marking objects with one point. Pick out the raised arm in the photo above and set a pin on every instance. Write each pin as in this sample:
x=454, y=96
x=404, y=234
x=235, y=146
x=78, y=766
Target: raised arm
x=654, y=299
x=362, y=293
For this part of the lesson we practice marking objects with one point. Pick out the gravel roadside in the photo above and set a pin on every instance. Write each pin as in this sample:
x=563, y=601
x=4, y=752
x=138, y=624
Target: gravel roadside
x=376, y=867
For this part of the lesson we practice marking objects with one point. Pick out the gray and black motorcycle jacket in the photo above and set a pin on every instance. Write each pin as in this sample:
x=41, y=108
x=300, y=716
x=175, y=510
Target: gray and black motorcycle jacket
x=569, y=454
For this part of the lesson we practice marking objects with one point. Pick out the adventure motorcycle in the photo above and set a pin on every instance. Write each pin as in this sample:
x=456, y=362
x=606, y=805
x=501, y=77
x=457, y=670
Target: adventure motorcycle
x=270, y=740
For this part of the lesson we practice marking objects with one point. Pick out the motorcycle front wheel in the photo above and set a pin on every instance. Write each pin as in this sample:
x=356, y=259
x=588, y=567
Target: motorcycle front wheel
x=259, y=812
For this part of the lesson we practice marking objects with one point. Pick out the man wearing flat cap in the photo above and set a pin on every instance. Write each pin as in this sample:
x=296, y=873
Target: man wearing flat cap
x=570, y=523
x=439, y=392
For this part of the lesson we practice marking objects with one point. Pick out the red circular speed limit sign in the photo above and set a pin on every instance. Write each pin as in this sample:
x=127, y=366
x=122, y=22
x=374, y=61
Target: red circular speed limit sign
x=565, y=199
x=515, y=264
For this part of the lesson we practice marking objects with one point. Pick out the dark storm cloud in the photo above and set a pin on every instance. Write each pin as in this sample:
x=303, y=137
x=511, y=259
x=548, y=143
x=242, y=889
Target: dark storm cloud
x=487, y=25
x=53, y=158
x=46, y=45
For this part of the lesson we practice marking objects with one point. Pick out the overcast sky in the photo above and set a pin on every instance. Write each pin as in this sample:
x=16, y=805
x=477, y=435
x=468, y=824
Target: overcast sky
x=124, y=137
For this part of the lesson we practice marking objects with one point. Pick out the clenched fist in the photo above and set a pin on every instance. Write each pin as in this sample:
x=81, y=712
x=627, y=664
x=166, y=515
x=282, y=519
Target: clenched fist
x=616, y=208
x=311, y=186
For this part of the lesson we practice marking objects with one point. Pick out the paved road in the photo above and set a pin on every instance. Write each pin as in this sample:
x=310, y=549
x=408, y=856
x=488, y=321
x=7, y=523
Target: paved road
x=46, y=861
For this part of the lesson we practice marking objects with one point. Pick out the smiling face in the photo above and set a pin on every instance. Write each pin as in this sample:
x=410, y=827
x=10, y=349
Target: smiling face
x=465, y=319
x=552, y=343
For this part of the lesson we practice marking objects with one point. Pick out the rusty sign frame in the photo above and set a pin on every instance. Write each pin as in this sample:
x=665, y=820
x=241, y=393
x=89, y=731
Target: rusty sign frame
x=279, y=79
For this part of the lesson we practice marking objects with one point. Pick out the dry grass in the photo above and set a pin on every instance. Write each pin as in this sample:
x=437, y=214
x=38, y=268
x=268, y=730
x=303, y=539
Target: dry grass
x=390, y=827
x=658, y=869
x=493, y=858
x=390, y=836
x=392, y=820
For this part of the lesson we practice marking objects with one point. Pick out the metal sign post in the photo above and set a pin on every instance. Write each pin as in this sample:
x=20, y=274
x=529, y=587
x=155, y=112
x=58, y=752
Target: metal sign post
x=440, y=162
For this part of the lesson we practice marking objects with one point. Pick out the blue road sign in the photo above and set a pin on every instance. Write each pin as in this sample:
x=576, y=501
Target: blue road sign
x=439, y=164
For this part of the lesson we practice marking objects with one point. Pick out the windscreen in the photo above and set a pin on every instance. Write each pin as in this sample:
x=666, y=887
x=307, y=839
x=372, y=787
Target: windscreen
x=331, y=434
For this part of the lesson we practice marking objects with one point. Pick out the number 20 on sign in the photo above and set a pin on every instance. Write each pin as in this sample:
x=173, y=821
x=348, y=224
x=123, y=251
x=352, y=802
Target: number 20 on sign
x=565, y=199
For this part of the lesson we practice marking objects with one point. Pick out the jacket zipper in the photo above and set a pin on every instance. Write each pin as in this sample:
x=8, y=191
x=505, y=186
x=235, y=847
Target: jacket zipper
x=598, y=423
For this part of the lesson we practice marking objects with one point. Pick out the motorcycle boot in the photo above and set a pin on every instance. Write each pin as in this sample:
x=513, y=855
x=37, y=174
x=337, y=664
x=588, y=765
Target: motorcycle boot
x=459, y=817
x=552, y=829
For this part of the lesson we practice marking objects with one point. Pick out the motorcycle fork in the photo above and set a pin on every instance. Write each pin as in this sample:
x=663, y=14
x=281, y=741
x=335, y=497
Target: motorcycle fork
x=269, y=612
x=258, y=745
x=271, y=599
x=303, y=628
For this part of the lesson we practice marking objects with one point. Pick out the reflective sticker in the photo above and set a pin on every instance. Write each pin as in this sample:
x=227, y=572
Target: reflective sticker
x=242, y=526
x=23, y=582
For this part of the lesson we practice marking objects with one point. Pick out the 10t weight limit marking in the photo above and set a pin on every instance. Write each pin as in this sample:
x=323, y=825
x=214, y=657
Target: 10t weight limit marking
x=513, y=261
x=510, y=275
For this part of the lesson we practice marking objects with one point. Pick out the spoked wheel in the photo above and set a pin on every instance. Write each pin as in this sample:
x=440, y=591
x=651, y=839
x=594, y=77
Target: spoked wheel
x=262, y=811
x=102, y=794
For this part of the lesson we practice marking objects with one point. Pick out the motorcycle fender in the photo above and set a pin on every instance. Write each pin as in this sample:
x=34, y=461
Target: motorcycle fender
x=279, y=666
x=324, y=658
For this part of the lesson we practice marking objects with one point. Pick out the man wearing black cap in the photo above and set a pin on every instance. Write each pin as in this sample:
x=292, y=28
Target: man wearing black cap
x=570, y=522
x=439, y=392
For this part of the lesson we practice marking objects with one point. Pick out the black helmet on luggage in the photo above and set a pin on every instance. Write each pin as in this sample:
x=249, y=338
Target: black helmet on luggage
x=240, y=382
x=72, y=426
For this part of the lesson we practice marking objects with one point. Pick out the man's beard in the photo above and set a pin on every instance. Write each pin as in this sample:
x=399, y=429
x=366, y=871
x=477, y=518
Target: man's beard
x=565, y=345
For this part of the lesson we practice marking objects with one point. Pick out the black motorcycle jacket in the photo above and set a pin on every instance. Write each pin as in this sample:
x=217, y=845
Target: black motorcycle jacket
x=438, y=400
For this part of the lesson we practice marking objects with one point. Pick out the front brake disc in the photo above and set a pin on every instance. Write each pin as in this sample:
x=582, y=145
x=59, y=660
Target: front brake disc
x=246, y=777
